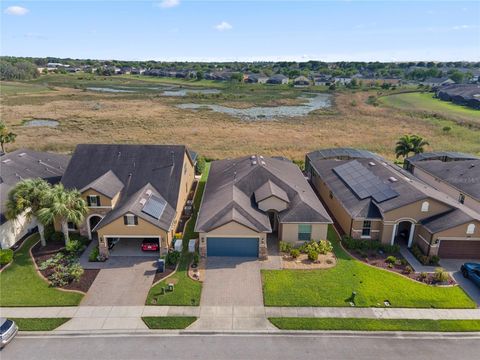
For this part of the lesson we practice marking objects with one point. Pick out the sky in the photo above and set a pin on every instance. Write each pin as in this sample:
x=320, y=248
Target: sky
x=181, y=30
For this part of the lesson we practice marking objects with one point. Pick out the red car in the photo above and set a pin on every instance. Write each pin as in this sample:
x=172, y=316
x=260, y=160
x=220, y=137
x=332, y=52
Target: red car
x=150, y=245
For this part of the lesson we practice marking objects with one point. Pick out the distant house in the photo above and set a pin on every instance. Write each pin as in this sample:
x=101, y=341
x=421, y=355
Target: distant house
x=301, y=81
x=343, y=80
x=461, y=94
x=256, y=79
x=437, y=82
x=277, y=79
x=324, y=80
x=137, y=71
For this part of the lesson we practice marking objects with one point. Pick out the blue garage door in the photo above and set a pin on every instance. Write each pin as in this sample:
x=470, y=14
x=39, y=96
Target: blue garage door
x=225, y=246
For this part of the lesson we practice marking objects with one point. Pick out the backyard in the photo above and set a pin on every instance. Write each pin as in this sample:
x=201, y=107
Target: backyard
x=20, y=285
x=353, y=281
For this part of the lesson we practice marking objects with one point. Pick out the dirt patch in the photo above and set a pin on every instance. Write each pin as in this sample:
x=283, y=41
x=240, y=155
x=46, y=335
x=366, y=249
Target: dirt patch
x=303, y=263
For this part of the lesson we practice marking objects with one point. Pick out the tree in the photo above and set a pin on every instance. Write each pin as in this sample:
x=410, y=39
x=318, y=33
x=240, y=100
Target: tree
x=457, y=76
x=6, y=136
x=408, y=144
x=200, y=75
x=65, y=206
x=27, y=198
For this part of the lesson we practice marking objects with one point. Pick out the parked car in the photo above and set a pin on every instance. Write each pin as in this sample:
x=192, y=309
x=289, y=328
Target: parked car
x=8, y=330
x=150, y=245
x=471, y=271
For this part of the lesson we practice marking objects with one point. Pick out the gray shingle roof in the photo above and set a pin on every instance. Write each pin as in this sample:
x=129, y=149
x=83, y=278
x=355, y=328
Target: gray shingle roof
x=135, y=166
x=441, y=155
x=446, y=221
x=270, y=189
x=340, y=153
x=108, y=184
x=232, y=186
x=28, y=164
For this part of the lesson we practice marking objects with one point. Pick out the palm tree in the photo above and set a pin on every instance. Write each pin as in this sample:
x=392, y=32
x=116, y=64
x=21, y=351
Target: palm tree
x=418, y=144
x=27, y=198
x=410, y=144
x=6, y=136
x=66, y=206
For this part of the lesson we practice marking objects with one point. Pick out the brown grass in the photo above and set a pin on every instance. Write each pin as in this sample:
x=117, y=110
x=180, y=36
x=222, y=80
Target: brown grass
x=107, y=118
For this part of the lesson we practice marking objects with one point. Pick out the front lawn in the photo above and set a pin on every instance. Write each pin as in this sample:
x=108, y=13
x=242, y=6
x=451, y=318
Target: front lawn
x=39, y=324
x=20, y=285
x=186, y=291
x=335, y=287
x=168, y=322
x=375, y=324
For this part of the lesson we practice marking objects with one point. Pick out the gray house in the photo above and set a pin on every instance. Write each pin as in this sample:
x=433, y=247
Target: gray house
x=278, y=79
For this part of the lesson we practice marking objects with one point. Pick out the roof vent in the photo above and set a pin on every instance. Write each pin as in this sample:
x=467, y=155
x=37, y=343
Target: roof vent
x=254, y=162
x=148, y=192
x=392, y=179
x=253, y=157
x=6, y=161
x=263, y=163
x=22, y=154
x=143, y=201
x=371, y=163
x=261, y=157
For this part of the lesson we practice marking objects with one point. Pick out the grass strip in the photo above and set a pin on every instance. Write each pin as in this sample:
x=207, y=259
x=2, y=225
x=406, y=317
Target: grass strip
x=39, y=324
x=168, y=322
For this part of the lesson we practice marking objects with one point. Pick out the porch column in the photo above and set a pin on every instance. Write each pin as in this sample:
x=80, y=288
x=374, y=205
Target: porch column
x=103, y=246
x=394, y=233
x=410, y=236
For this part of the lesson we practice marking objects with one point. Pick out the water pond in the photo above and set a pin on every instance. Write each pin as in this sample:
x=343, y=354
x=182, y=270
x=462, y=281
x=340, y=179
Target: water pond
x=40, y=122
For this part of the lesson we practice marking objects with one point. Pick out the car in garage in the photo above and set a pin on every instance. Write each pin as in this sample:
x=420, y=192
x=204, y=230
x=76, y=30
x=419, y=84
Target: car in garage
x=471, y=271
x=150, y=245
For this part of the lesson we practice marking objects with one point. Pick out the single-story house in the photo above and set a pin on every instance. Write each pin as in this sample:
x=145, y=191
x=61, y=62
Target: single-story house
x=19, y=165
x=461, y=94
x=437, y=82
x=342, y=80
x=277, y=79
x=301, y=81
x=324, y=80
x=256, y=79
x=370, y=198
x=250, y=203
x=134, y=192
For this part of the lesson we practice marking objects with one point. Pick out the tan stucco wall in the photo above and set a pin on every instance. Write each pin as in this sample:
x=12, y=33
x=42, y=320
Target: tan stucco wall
x=459, y=232
x=289, y=232
x=446, y=188
x=13, y=230
x=104, y=201
x=422, y=238
x=414, y=211
x=272, y=203
x=375, y=229
x=188, y=176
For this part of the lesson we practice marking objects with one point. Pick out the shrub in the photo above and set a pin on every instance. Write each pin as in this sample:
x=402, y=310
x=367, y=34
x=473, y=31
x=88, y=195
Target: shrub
x=434, y=260
x=359, y=244
x=312, y=255
x=324, y=247
x=285, y=246
x=391, y=260
x=390, y=265
x=403, y=262
x=56, y=236
x=294, y=253
x=49, y=231
x=196, y=258
x=74, y=247
x=93, y=256
x=172, y=258
x=6, y=256
x=408, y=269
x=75, y=271
x=423, y=275
x=440, y=275
x=200, y=165
x=390, y=249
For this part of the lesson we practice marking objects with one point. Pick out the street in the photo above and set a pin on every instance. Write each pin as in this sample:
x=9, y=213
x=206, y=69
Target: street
x=238, y=346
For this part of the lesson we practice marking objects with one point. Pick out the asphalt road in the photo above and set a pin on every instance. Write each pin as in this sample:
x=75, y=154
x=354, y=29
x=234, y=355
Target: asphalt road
x=255, y=346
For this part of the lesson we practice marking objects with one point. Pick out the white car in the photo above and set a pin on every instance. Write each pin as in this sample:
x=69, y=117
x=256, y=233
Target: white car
x=8, y=330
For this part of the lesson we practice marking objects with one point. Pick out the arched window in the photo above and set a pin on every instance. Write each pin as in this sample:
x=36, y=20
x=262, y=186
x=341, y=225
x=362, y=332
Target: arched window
x=470, y=229
x=425, y=206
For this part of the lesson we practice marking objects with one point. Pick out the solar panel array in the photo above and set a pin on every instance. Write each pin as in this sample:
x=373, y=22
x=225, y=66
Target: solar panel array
x=363, y=182
x=154, y=206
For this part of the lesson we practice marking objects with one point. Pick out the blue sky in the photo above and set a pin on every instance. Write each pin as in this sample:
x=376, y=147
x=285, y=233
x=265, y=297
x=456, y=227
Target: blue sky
x=243, y=30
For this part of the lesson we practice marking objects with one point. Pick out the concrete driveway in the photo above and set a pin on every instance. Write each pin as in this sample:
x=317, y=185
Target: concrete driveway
x=125, y=284
x=453, y=267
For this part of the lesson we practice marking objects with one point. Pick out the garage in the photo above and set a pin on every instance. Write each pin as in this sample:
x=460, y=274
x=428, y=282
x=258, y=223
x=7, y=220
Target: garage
x=459, y=249
x=232, y=246
x=131, y=246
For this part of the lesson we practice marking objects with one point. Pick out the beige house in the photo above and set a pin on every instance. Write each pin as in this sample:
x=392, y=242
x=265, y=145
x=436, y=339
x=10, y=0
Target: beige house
x=251, y=203
x=373, y=199
x=134, y=192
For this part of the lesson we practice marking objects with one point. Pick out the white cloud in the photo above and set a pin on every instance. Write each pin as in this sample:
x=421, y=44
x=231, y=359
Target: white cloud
x=223, y=26
x=464, y=27
x=166, y=4
x=16, y=10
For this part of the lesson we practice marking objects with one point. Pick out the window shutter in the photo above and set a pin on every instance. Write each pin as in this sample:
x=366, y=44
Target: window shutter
x=135, y=220
x=98, y=200
x=89, y=203
x=125, y=221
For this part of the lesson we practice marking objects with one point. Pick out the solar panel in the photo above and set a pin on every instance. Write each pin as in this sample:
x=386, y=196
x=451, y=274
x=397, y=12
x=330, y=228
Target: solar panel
x=363, y=182
x=154, y=207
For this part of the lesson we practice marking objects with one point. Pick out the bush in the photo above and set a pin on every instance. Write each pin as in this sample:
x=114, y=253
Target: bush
x=75, y=272
x=200, y=165
x=56, y=236
x=391, y=260
x=324, y=247
x=93, y=256
x=196, y=258
x=390, y=249
x=434, y=260
x=403, y=262
x=440, y=275
x=312, y=255
x=285, y=246
x=408, y=269
x=74, y=247
x=424, y=259
x=359, y=244
x=172, y=258
x=294, y=253
x=423, y=275
x=6, y=256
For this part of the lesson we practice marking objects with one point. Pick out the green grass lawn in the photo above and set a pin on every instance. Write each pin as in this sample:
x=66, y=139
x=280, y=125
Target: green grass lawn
x=375, y=324
x=186, y=291
x=20, y=285
x=39, y=324
x=168, y=322
x=334, y=287
x=16, y=88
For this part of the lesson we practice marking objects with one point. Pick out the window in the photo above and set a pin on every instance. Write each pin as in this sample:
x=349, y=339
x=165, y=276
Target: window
x=93, y=200
x=72, y=226
x=425, y=206
x=367, y=226
x=304, y=232
x=470, y=229
x=130, y=220
x=461, y=199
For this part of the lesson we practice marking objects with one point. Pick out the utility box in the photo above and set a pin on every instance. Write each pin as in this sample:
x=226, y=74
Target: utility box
x=178, y=245
x=192, y=244
x=161, y=265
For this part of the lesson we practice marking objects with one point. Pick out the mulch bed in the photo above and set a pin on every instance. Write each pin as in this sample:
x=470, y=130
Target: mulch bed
x=41, y=254
x=161, y=275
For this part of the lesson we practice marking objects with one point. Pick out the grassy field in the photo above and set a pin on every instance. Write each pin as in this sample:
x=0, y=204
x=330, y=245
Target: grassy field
x=168, y=322
x=20, y=285
x=361, y=324
x=39, y=324
x=146, y=116
x=19, y=88
x=335, y=286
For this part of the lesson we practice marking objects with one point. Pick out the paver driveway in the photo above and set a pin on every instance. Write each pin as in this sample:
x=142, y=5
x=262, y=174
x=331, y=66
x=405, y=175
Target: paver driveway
x=124, y=284
x=232, y=281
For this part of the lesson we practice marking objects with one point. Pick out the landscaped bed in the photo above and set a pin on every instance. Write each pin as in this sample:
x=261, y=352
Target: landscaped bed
x=168, y=322
x=21, y=285
x=351, y=281
x=39, y=324
x=362, y=324
x=311, y=255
